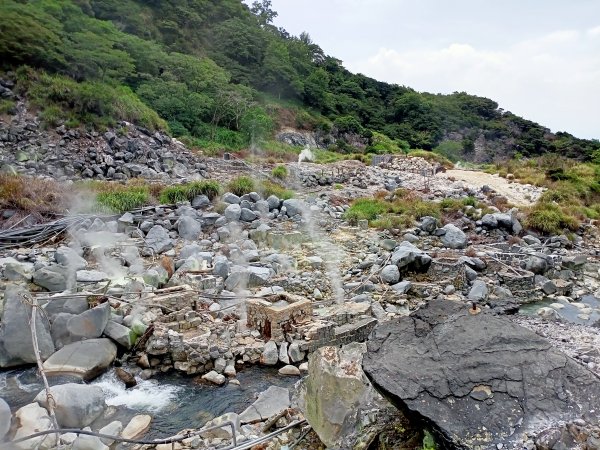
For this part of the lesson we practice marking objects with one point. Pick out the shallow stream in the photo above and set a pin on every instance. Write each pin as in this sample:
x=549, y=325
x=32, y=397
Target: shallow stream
x=584, y=312
x=174, y=401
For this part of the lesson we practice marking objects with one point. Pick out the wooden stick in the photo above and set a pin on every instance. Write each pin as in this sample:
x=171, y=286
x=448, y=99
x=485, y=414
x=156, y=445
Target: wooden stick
x=32, y=323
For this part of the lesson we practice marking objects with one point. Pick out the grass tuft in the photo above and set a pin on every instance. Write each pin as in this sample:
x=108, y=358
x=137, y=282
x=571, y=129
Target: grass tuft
x=32, y=195
x=241, y=185
x=280, y=172
x=550, y=218
x=188, y=191
x=268, y=188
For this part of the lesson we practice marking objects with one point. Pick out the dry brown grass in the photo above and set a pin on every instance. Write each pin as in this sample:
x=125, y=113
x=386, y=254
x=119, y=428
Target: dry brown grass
x=33, y=196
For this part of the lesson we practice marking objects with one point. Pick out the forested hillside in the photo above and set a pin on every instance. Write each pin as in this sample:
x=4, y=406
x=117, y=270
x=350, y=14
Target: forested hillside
x=220, y=75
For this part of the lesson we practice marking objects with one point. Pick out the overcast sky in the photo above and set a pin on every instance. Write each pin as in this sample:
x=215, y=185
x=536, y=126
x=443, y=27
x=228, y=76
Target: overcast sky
x=537, y=58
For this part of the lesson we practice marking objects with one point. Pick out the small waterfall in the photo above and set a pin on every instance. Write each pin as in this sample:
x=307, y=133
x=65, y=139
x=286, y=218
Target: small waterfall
x=148, y=395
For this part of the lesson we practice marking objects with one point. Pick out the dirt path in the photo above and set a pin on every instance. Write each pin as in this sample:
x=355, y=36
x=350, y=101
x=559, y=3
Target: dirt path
x=517, y=194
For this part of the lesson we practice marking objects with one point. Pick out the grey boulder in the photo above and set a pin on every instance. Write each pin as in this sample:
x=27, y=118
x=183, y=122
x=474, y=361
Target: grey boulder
x=390, y=274
x=77, y=405
x=87, y=325
x=70, y=305
x=231, y=198
x=248, y=215
x=53, y=278
x=233, y=212
x=200, y=202
x=189, y=228
x=18, y=271
x=120, y=334
x=408, y=257
x=428, y=224
x=293, y=207
x=273, y=202
x=536, y=264
x=489, y=221
x=158, y=239
x=5, y=419
x=270, y=402
x=454, y=237
x=270, y=354
x=478, y=291
x=66, y=256
x=86, y=359
x=336, y=396
x=16, y=344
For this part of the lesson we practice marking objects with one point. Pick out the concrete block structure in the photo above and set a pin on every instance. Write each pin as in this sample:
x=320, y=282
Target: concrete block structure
x=275, y=315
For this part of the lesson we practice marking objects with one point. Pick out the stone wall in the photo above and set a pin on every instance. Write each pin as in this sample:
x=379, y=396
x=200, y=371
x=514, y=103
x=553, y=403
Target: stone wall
x=275, y=316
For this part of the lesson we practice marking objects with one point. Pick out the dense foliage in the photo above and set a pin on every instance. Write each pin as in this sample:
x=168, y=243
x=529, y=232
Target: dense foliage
x=219, y=73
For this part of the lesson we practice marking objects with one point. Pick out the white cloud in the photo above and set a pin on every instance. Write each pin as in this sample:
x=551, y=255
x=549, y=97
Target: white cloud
x=594, y=32
x=553, y=79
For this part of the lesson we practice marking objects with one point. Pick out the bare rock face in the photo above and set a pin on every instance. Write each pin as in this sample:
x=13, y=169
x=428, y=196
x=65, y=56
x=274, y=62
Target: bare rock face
x=338, y=401
x=477, y=380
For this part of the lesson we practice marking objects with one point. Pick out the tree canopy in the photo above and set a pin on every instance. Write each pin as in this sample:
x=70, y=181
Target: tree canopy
x=210, y=67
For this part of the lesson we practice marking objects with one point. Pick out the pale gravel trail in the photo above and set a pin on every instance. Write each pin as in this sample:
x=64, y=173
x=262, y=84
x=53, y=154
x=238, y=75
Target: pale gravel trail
x=516, y=193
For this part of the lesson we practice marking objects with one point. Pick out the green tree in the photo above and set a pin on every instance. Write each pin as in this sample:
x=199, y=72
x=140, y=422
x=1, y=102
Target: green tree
x=263, y=11
x=315, y=88
x=256, y=125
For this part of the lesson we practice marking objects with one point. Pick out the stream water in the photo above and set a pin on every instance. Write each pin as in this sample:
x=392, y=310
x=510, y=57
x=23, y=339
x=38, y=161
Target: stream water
x=584, y=312
x=174, y=401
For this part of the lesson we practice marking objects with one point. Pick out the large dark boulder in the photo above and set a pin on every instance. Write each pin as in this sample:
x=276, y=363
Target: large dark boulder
x=16, y=344
x=476, y=380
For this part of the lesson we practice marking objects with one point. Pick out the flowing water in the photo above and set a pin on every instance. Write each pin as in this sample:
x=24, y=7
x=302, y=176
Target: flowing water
x=584, y=312
x=174, y=401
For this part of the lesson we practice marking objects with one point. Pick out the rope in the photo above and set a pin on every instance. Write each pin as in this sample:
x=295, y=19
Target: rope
x=170, y=440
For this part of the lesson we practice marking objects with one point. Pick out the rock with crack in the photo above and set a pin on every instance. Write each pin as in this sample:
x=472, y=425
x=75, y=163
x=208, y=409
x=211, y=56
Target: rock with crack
x=270, y=402
x=86, y=359
x=476, y=380
x=338, y=400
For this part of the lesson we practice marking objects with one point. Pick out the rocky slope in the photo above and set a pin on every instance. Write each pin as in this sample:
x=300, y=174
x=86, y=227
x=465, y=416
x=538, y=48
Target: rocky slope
x=206, y=288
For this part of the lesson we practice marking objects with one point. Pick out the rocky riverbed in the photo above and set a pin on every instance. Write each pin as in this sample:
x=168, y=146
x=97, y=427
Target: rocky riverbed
x=473, y=332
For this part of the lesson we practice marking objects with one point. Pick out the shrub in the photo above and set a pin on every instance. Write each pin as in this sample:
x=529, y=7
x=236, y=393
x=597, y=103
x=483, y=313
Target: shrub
x=562, y=192
x=123, y=200
x=390, y=221
x=470, y=201
x=280, y=172
x=268, y=188
x=348, y=124
x=32, y=195
x=279, y=151
x=365, y=209
x=550, y=218
x=451, y=150
x=382, y=144
x=93, y=103
x=187, y=192
x=7, y=106
x=414, y=207
x=174, y=194
x=241, y=185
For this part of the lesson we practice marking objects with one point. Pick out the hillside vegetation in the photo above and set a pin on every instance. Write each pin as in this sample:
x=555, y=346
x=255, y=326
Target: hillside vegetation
x=220, y=75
